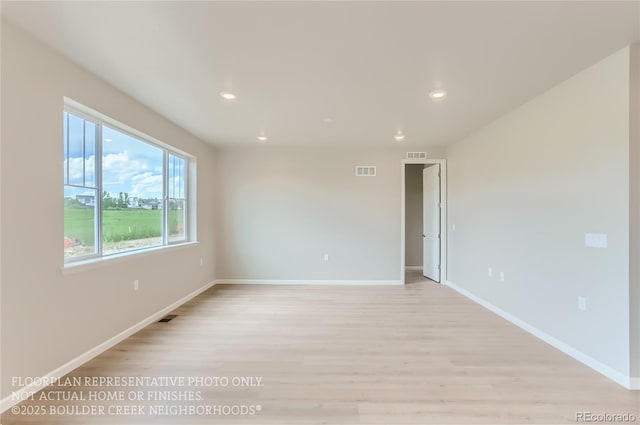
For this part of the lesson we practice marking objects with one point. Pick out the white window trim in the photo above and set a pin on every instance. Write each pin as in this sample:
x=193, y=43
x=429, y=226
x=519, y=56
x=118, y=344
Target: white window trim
x=120, y=257
x=89, y=261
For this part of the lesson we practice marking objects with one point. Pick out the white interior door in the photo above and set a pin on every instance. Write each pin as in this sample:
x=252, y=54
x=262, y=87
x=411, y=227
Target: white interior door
x=431, y=222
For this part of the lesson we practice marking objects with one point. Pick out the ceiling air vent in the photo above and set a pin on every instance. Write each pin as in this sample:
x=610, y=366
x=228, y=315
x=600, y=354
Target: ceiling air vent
x=365, y=170
x=416, y=155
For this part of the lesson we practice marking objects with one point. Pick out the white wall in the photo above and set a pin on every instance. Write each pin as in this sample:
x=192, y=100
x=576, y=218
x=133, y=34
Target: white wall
x=525, y=189
x=634, y=193
x=47, y=318
x=282, y=209
x=413, y=211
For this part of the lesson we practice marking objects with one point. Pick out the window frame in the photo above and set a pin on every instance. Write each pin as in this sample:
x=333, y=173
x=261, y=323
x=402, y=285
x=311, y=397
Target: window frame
x=98, y=171
x=100, y=120
x=167, y=198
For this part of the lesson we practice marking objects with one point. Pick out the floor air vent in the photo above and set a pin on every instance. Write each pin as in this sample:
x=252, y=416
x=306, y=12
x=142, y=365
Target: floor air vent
x=167, y=318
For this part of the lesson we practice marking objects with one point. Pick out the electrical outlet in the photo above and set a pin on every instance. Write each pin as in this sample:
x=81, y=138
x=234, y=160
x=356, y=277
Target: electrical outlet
x=582, y=303
x=326, y=257
x=201, y=261
x=453, y=227
x=501, y=276
x=490, y=272
x=136, y=285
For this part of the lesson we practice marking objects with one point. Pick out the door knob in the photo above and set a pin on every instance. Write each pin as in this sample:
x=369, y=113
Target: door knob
x=423, y=236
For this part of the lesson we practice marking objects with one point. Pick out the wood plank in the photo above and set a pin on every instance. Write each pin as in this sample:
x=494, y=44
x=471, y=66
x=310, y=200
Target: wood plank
x=413, y=354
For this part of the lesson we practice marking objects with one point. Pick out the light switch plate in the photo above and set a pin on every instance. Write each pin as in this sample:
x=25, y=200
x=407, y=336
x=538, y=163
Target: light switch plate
x=582, y=303
x=595, y=240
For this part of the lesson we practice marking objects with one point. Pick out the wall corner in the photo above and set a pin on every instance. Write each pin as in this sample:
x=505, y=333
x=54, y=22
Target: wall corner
x=634, y=211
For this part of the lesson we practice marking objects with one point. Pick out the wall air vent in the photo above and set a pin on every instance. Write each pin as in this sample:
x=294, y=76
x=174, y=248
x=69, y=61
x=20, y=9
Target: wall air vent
x=365, y=170
x=416, y=155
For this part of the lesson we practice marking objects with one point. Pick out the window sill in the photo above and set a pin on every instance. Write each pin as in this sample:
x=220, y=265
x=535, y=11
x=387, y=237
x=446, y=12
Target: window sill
x=93, y=263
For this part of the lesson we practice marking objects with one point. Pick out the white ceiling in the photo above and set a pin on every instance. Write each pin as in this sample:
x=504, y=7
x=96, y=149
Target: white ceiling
x=368, y=66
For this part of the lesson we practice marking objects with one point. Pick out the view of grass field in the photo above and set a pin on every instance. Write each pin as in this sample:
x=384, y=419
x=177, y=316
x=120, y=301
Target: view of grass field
x=138, y=185
x=119, y=225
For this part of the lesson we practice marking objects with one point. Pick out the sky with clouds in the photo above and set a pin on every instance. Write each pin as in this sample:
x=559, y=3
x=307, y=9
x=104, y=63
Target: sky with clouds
x=128, y=164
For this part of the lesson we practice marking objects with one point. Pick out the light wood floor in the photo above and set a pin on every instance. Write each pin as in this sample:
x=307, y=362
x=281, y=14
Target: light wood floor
x=413, y=354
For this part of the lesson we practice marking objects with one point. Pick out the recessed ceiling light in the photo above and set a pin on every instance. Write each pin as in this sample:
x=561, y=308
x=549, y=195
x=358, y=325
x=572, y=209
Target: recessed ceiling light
x=437, y=94
x=262, y=138
x=327, y=120
x=227, y=96
x=399, y=137
x=107, y=140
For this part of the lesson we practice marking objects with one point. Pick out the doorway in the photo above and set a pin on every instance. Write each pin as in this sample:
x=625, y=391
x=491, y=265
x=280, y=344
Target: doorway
x=423, y=219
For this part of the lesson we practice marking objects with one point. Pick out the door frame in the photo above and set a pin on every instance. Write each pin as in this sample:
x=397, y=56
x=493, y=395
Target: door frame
x=443, y=214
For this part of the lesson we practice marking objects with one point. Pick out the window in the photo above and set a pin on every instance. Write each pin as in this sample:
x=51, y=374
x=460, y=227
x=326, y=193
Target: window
x=122, y=191
x=177, y=198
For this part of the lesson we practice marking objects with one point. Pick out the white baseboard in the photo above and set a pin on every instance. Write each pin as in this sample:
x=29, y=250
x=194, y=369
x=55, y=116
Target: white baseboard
x=614, y=375
x=413, y=268
x=306, y=282
x=15, y=397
